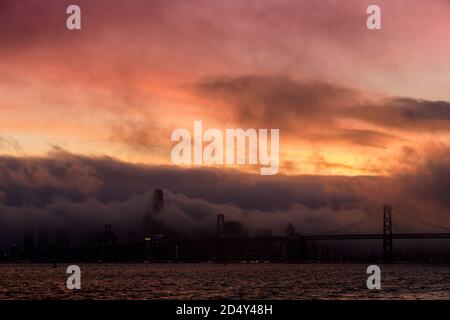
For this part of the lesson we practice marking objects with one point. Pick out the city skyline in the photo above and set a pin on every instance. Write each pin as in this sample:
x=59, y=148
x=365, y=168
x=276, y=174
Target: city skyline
x=232, y=241
x=86, y=115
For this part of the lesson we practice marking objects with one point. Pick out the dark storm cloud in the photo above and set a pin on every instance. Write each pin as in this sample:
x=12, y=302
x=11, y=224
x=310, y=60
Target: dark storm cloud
x=405, y=113
x=77, y=178
x=41, y=177
x=431, y=182
x=278, y=100
x=36, y=180
x=82, y=194
x=281, y=102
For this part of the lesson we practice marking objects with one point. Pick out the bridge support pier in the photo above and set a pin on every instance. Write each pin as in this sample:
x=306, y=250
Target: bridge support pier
x=388, y=252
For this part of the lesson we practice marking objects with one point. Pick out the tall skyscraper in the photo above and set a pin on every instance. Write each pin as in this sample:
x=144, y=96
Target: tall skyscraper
x=158, y=200
x=152, y=226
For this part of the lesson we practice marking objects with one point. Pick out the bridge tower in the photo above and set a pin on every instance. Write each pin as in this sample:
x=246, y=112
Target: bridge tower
x=388, y=253
x=220, y=225
x=220, y=239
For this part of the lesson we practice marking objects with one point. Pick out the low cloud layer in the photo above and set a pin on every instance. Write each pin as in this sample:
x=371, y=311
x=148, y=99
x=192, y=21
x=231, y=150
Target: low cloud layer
x=82, y=194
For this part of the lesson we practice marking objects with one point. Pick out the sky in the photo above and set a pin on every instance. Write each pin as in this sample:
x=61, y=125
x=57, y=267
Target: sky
x=350, y=103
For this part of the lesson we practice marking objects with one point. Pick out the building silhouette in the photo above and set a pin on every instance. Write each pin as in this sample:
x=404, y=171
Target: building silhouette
x=158, y=200
x=152, y=227
x=228, y=240
x=290, y=230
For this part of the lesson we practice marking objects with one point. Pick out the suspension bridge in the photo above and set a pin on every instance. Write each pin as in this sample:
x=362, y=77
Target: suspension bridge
x=293, y=246
x=387, y=235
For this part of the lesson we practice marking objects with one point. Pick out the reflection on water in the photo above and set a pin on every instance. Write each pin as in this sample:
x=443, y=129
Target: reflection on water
x=233, y=281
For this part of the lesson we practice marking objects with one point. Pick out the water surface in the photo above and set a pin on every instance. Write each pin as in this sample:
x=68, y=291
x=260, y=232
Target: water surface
x=232, y=281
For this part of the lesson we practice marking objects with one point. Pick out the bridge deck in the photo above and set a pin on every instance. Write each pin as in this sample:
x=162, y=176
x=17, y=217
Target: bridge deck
x=321, y=237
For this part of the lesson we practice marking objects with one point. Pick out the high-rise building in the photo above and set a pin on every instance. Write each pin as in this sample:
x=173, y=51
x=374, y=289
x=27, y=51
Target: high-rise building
x=220, y=228
x=290, y=230
x=151, y=226
x=158, y=200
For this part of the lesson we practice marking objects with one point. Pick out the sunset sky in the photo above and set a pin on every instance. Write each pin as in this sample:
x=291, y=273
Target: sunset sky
x=346, y=100
x=86, y=115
